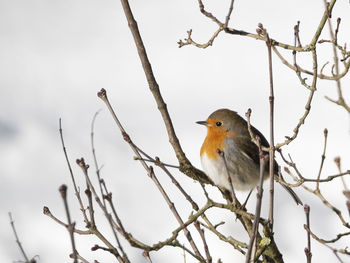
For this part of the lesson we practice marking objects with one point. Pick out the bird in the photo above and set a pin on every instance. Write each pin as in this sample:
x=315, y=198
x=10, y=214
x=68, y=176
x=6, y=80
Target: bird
x=227, y=132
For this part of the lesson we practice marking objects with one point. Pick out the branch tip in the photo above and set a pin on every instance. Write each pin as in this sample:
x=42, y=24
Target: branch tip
x=46, y=211
x=102, y=94
x=63, y=191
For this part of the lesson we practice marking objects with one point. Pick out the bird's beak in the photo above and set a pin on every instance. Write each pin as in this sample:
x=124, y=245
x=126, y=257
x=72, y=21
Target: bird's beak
x=202, y=123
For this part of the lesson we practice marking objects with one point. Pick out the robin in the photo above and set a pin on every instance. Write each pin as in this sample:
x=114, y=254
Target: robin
x=228, y=132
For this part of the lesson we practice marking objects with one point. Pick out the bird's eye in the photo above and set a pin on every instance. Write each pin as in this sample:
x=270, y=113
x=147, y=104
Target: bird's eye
x=218, y=124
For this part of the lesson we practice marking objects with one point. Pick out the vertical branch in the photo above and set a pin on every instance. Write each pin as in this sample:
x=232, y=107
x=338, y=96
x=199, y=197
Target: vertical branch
x=229, y=14
x=101, y=182
x=17, y=239
x=77, y=193
x=272, y=142
x=334, y=37
x=307, y=250
x=250, y=257
x=94, y=154
x=63, y=191
x=206, y=248
x=323, y=157
x=337, y=161
x=233, y=195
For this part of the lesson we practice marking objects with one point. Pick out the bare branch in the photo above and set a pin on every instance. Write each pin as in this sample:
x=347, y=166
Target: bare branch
x=190, y=41
x=232, y=191
x=323, y=157
x=250, y=257
x=185, y=165
x=308, y=248
x=76, y=190
x=206, y=248
x=17, y=239
x=229, y=14
x=71, y=226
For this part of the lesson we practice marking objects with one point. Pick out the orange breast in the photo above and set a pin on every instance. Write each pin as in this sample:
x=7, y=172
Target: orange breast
x=215, y=140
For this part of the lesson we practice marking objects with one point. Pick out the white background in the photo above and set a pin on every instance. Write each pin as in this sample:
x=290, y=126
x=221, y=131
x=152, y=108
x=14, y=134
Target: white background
x=56, y=55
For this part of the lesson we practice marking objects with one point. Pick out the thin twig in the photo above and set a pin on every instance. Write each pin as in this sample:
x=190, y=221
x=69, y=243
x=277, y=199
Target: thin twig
x=151, y=160
x=272, y=142
x=307, y=250
x=337, y=161
x=190, y=41
x=334, y=250
x=145, y=254
x=296, y=34
x=319, y=75
x=206, y=248
x=103, y=95
x=307, y=106
x=113, y=250
x=250, y=257
x=238, y=245
x=323, y=157
x=17, y=239
x=327, y=13
x=76, y=190
x=101, y=182
x=81, y=258
x=328, y=204
x=334, y=36
x=46, y=211
x=229, y=14
x=302, y=179
x=71, y=226
x=92, y=133
x=90, y=207
x=252, y=135
x=232, y=191
x=160, y=164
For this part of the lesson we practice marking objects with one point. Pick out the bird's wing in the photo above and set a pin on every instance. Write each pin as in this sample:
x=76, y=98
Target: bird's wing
x=251, y=150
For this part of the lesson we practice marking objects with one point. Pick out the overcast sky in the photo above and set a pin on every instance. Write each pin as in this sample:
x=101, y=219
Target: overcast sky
x=56, y=55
